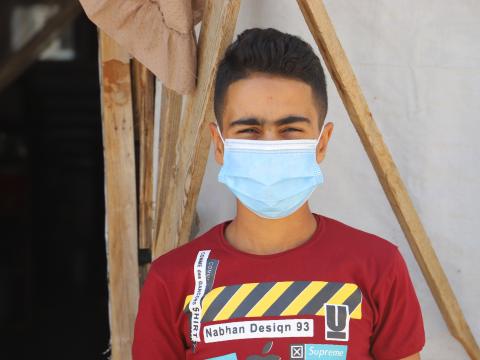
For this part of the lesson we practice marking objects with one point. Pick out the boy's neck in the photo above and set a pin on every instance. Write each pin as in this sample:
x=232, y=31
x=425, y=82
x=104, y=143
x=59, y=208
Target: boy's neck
x=253, y=234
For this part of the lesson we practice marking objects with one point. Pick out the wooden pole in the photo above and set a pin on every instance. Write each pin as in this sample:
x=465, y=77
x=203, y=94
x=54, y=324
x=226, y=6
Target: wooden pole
x=20, y=60
x=191, y=152
x=170, y=114
x=143, y=96
x=341, y=71
x=120, y=195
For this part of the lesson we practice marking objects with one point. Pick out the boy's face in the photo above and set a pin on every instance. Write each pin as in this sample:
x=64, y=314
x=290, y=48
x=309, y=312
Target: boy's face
x=268, y=107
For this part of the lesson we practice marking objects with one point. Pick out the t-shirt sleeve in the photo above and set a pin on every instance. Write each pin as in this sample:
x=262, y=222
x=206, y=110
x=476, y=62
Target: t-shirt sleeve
x=398, y=330
x=156, y=335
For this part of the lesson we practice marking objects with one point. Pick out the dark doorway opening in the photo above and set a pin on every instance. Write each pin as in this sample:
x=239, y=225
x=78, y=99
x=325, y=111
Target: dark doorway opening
x=53, y=272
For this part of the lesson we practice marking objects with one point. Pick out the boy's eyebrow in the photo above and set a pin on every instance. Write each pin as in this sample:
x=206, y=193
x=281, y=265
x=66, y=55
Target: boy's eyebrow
x=283, y=121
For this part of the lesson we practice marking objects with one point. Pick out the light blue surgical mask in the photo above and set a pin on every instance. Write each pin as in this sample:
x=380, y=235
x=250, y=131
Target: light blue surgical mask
x=272, y=178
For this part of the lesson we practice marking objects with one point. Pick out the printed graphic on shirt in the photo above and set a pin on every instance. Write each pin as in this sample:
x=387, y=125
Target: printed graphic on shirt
x=210, y=270
x=266, y=355
x=212, y=266
x=317, y=352
x=337, y=322
x=231, y=356
x=284, y=298
x=195, y=305
x=257, y=329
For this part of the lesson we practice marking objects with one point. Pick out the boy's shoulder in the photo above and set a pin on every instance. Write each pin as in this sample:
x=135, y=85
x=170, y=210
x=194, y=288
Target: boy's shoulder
x=361, y=243
x=355, y=233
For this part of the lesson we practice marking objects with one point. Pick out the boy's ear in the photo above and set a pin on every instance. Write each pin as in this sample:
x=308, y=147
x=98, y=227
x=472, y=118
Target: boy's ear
x=217, y=142
x=323, y=141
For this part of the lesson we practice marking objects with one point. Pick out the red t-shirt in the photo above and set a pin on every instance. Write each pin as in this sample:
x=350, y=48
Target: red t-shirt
x=343, y=294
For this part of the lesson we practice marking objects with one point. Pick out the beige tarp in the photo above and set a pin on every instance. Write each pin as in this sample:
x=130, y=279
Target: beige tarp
x=159, y=33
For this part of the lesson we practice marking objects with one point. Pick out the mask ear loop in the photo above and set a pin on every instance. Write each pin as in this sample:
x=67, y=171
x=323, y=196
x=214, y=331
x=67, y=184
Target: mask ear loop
x=321, y=132
x=219, y=132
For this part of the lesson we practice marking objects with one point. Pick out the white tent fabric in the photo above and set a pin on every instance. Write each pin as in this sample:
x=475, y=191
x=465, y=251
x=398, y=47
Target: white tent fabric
x=418, y=63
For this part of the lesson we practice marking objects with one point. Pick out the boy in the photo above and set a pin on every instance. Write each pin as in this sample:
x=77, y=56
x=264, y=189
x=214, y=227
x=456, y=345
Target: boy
x=277, y=281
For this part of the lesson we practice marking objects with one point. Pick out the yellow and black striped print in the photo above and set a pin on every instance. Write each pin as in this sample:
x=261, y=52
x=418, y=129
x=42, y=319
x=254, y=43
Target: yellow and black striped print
x=282, y=298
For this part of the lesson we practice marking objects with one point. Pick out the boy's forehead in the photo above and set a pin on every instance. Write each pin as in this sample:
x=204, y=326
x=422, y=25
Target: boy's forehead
x=268, y=98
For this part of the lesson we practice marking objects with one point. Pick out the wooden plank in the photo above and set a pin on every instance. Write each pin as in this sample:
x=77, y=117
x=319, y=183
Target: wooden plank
x=21, y=60
x=170, y=114
x=169, y=124
x=143, y=96
x=120, y=195
x=191, y=152
x=341, y=71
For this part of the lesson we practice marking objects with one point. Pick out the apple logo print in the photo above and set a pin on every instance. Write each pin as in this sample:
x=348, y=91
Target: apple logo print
x=266, y=349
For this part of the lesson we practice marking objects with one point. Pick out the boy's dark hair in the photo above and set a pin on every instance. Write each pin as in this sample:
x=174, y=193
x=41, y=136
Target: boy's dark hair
x=274, y=52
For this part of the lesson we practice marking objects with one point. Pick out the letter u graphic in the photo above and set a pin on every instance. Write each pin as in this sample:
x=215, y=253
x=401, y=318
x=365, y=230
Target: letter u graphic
x=337, y=321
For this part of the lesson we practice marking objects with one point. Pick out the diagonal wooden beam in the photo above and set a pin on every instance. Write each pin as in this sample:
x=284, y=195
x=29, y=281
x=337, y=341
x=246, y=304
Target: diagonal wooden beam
x=169, y=125
x=120, y=195
x=191, y=152
x=341, y=71
x=21, y=60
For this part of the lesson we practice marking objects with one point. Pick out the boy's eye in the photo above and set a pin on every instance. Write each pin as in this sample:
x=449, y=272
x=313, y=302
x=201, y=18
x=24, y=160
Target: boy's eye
x=249, y=130
x=254, y=130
